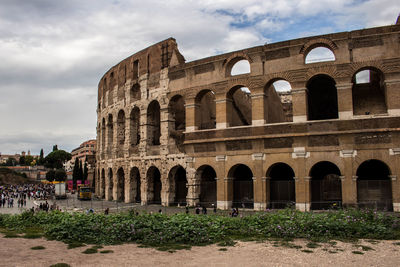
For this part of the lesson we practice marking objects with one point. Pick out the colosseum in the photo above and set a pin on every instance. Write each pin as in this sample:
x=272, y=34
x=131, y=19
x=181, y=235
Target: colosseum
x=270, y=126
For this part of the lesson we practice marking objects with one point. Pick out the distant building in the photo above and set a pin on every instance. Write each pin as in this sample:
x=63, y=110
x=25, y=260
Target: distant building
x=5, y=157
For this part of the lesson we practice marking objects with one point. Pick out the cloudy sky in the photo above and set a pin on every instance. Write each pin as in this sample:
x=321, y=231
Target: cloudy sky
x=53, y=53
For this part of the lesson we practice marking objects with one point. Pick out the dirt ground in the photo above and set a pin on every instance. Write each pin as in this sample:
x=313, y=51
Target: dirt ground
x=18, y=252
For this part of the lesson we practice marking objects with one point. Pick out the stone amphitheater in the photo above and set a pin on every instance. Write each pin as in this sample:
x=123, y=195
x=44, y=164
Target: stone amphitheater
x=312, y=123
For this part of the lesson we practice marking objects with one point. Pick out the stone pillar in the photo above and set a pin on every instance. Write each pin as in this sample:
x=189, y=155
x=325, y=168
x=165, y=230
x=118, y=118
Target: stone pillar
x=393, y=96
x=345, y=100
x=224, y=184
x=259, y=113
x=259, y=182
x=223, y=109
x=193, y=183
x=395, y=153
x=302, y=181
x=191, y=108
x=349, y=184
x=299, y=100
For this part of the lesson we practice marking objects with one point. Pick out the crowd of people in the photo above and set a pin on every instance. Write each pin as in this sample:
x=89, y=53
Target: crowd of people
x=11, y=195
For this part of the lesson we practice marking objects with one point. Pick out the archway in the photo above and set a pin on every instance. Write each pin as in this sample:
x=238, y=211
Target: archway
x=178, y=185
x=134, y=185
x=110, y=183
x=120, y=185
x=278, y=101
x=153, y=186
x=238, y=106
x=110, y=135
x=322, y=98
x=120, y=133
x=369, y=92
x=374, y=186
x=103, y=137
x=205, y=110
x=176, y=121
x=326, y=186
x=319, y=54
x=281, y=186
x=135, y=93
x=242, y=177
x=206, y=175
x=103, y=184
x=135, y=127
x=153, y=124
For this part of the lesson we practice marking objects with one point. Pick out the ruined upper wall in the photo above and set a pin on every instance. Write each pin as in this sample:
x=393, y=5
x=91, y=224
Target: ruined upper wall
x=147, y=61
x=287, y=59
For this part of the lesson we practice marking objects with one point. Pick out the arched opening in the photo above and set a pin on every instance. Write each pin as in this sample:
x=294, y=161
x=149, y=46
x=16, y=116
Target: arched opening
x=374, y=186
x=240, y=67
x=242, y=177
x=322, y=98
x=238, y=106
x=326, y=186
x=103, y=137
x=319, y=54
x=153, y=186
x=120, y=185
x=135, y=93
x=205, y=110
x=120, y=133
x=176, y=121
x=103, y=184
x=135, y=127
x=153, y=123
x=110, y=135
x=178, y=185
x=278, y=101
x=110, y=96
x=110, y=183
x=369, y=92
x=134, y=185
x=208, y=185
x=281, y=186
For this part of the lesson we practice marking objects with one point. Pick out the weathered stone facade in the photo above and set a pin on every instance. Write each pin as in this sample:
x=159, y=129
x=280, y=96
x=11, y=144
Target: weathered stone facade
x=173, y=132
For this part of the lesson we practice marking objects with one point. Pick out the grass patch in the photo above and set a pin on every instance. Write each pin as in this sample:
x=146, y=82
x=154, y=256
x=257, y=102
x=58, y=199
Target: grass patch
x=90, y=251
x=227, y=243
x=357, y=252
x=307, y=251
x=396, y=243
x=38, y=248
x=223, y=249
x=332, y=251
x=373, y=241
x=332, y=243
x=97, y=247
x=106, y=251
x=32, y=235
x=313, y=245
x=11, y=234
x=365, y=248
x=75, y=245
x=173, y=247
x=61, y=264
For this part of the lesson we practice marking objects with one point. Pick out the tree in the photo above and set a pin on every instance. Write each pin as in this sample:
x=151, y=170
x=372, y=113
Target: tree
x=11, y=162
x=28, y=160
x=85, y=172
x=55, y=148
x=75, y=172
x=22, y=160
x=60, y=175
x=41, y=157
x=55, y=159
x=81, y=171
x=50, y=175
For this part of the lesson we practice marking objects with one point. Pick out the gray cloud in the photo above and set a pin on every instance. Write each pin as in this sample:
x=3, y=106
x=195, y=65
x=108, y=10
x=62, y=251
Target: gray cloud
x=53, y=53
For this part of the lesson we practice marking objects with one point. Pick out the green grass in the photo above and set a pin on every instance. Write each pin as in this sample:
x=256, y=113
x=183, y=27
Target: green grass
x=313, y=245
x=61, y=264
x=227, y=243
x=365, y=248
x=75, y=245
x=307, y=251
x=38, y=248
x=90, y=251
x=223, y=249
x=106, y=251
x=396, y=243
x=357, y=252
